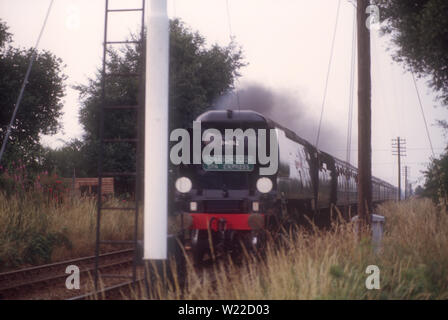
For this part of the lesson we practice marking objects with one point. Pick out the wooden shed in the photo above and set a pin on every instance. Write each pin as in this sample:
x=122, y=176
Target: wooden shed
x=89, y=186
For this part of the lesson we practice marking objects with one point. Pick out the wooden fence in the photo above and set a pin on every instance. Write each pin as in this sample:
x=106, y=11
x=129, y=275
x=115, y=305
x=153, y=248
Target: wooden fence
x=89, y=186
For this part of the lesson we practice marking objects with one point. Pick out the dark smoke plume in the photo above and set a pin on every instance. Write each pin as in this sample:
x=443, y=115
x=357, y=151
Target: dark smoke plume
x=287, y=110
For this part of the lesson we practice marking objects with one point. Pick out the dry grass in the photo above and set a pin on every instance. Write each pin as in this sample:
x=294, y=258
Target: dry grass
x=413, y=263
x=413, y=259
x=34, y=231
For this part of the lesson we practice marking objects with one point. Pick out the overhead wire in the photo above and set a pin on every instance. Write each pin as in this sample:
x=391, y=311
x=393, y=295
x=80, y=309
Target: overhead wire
x=350, y=108
x=24, y=83
x=328, y=73
x=229, y=23
x=441, y=184
x=423, y=114
x=231, y=36
x=351, y=95
x=174, y=9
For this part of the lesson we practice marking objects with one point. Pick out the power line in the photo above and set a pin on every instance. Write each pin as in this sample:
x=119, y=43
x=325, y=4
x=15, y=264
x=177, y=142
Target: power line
x=394, y=163
x=381, y=150
x=328, y=73
x=352, y=88
x=25, y=81
x=228, y=20
x=423, y=114
x=350, y=103
x=231, y=36
x=174, y=8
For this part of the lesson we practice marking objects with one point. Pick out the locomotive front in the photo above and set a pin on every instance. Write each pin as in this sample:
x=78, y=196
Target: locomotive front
x=226, y=197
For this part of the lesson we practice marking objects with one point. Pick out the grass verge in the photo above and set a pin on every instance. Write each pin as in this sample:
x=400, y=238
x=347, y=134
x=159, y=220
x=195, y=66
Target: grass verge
x=36, y=231
x=413, y=263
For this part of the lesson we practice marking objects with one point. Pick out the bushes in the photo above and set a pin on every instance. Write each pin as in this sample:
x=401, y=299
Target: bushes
x=16, y=181
x=40, y=247
x=35, y=231
x=38, y=224
x=25, y=228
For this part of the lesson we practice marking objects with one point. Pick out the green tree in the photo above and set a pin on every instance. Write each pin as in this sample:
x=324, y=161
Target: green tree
x=5, y=36
x=419, y=191
x=66, y=160
x=436, y=184
x=198, y=75
x=419, y=29
x=41, y=105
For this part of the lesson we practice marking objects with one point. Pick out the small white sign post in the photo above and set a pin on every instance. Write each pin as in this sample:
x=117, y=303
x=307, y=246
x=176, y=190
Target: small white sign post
x=156, y=132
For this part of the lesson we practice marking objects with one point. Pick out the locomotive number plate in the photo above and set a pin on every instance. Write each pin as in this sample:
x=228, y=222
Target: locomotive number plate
x=232, y=163
x=228, y=167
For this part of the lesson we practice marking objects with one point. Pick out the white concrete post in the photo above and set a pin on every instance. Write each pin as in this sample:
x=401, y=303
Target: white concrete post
x=156, y=132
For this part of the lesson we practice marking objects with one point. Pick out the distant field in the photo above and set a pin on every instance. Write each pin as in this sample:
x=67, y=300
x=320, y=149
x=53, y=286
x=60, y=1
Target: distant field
x=413, y=263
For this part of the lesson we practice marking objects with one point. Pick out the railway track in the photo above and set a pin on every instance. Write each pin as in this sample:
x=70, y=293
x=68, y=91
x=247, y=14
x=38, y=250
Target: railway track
x=113, y=292
x=48, y=281
x=30, y=283
x=116, y=292
x=132, y=290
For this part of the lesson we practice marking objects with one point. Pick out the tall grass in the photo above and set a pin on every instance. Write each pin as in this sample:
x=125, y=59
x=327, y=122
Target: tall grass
x=413, y=263
x=34, y=230
x=413, y=259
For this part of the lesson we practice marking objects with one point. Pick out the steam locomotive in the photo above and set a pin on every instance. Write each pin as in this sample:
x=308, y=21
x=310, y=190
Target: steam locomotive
x=230, y=202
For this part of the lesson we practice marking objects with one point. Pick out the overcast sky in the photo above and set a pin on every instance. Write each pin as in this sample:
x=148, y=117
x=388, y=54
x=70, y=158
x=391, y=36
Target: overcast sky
x=287, y=45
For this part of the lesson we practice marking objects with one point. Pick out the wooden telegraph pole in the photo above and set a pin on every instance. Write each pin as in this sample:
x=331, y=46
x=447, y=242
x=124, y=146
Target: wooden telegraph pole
x=364, y=116
x=406, y=184
x=399, y=149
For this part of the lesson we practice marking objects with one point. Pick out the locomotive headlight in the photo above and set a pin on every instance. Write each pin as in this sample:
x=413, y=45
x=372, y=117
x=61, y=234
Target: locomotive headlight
x=183, y=185
x=193, y=206
x=264, y=185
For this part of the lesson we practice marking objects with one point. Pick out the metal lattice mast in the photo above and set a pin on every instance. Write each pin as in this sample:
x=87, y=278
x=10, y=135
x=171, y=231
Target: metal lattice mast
x=106, y=107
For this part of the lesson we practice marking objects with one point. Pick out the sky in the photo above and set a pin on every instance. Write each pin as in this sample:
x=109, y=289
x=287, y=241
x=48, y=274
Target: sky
x=286, y=44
